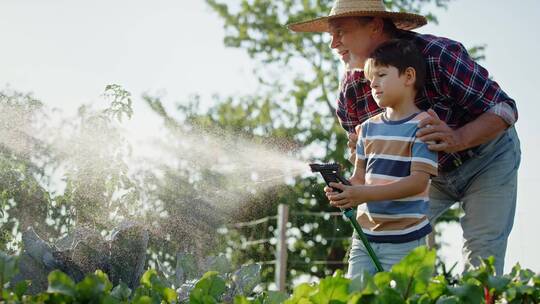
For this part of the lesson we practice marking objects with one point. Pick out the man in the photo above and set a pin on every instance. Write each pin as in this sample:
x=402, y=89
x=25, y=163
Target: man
x=470, y=124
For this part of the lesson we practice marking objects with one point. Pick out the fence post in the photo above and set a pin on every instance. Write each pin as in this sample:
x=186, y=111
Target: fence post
x=430, y=240
x=281, y=250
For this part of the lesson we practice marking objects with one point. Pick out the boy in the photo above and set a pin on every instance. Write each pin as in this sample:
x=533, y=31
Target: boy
x=392, y=168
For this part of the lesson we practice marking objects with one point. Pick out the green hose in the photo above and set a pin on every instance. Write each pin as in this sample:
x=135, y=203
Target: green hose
x=331, y=173
x=351, y=215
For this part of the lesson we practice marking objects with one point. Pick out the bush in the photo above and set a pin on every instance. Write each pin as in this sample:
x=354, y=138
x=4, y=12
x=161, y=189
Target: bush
x=410, y=281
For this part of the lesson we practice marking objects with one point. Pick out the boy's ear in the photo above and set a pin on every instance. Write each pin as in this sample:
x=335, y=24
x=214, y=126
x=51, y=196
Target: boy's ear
x=410, y=76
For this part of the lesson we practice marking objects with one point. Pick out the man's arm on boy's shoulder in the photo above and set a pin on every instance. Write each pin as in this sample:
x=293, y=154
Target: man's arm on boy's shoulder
x=468, y=84
x=440, y=137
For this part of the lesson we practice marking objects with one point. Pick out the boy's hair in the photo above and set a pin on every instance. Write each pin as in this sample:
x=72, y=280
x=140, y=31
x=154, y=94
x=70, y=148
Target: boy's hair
x=400, y=54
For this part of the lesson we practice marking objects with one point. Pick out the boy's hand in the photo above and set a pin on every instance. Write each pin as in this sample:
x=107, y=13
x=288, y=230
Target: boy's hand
x=349, y=198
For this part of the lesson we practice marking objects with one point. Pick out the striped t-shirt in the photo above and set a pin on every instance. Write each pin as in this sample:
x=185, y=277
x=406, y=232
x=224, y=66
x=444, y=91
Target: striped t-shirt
x=391, y=151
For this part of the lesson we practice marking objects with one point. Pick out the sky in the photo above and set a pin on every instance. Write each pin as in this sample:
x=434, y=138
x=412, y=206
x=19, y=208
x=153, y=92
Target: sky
x=67, y=51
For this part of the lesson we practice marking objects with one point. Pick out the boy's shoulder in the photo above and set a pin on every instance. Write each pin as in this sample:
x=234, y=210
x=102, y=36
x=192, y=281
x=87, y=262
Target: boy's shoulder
x=420, y=116
x=377, y=119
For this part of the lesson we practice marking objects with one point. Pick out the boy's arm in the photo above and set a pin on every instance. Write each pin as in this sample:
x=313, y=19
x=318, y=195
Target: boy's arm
x=352, y=196
x=351, y=143
x=423, y=166
x=413, y=184
x=358, y=176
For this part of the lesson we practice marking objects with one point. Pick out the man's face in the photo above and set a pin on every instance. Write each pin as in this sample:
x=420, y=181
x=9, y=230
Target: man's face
x=352, y=40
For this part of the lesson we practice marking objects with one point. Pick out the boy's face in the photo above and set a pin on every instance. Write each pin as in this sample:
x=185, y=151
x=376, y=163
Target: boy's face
x=352, y=40
x=388, y=88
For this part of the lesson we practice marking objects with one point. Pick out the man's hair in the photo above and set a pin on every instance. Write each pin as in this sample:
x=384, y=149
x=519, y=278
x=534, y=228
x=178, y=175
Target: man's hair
x=400, y=54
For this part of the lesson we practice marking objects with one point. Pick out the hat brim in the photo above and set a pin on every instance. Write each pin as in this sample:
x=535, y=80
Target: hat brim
x=403, y=21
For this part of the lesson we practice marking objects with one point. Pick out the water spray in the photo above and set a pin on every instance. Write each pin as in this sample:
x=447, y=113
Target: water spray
x=331, y=174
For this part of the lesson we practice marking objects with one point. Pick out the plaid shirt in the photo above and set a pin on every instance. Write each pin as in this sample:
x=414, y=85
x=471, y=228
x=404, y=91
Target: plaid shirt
x=457, y=89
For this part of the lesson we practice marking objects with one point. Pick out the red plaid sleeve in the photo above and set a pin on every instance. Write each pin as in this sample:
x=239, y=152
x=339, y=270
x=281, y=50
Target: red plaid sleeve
x=468, y=84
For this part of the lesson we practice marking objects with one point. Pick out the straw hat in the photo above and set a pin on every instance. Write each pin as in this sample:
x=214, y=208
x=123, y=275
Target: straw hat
x=353, y=8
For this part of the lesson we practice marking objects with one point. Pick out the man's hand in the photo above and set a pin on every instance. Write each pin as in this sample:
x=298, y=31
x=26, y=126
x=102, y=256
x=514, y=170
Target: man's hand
x=349, y=198
x=438, y=135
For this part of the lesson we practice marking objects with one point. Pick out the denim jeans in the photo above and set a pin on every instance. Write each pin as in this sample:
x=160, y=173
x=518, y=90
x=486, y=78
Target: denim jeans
x=486, y=187
x=388, y=254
